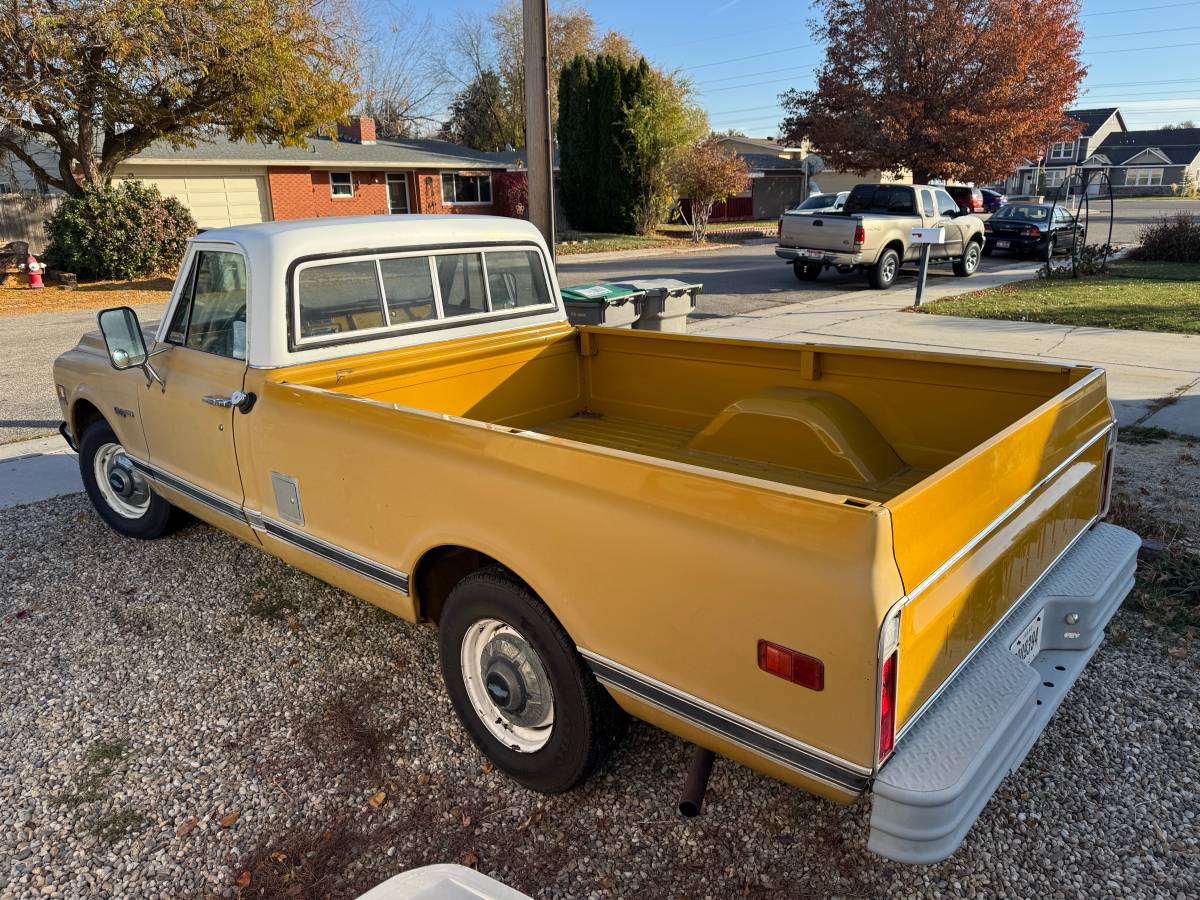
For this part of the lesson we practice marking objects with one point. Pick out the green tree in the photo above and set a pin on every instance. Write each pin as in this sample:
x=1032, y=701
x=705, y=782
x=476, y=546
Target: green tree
x=601, y=180
x=98, y=81
x=662, y=123
x=477, y=116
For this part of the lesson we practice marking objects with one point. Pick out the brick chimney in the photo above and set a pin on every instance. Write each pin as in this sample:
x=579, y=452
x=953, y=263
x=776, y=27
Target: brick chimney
x=360, y=130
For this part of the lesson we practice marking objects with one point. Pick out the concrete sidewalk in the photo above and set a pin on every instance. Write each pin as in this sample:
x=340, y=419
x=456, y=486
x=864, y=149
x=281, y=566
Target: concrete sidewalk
x=37, y=470
x=1153, y=378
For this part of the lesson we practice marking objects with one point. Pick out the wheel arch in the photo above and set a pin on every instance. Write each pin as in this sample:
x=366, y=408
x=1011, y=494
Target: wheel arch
x=894, y=244
x=439, y=569
x=83, y=413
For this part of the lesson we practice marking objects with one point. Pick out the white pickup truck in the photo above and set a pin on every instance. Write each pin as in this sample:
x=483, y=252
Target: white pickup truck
x=871, y=233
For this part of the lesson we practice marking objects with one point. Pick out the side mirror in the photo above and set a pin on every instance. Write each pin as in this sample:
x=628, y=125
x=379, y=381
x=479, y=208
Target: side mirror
x=123, y=338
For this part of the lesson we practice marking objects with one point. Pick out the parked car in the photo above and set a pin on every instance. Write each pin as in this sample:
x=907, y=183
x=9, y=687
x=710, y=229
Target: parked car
x=969, y=199
x=847, y=567
x=992, y=200
x=823, y=203
x=1035, y=228
x=873, y=233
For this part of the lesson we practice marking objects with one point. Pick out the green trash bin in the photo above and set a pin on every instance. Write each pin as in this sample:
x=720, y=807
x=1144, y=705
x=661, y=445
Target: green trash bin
x=610, y=305
x=667, y=303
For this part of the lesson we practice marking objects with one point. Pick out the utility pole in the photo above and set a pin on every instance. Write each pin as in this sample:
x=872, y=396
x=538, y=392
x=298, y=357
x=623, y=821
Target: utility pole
x=539, y=150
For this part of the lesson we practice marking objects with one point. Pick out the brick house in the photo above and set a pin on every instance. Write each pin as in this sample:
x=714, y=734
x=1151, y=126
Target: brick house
x=227, y=182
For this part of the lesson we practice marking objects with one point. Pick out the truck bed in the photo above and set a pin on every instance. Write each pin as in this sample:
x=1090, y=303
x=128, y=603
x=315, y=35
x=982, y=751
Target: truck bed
x=672, y=443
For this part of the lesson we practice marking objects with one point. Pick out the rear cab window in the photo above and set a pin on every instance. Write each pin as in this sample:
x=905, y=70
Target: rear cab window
x=378, y=294
x=893, y=199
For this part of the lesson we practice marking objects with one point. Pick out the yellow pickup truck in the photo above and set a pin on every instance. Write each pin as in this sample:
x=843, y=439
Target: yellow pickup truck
x=856, y=570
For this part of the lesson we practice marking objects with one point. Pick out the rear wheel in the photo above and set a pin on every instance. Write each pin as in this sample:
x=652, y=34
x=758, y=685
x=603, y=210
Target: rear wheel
x=965, y=265
x=120, y=493
x=519, y=687
x=806, y=271
x=883, y=274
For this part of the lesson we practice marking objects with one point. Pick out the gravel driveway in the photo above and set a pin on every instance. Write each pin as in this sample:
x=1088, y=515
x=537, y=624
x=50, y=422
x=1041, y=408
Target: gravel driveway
x=191, y=718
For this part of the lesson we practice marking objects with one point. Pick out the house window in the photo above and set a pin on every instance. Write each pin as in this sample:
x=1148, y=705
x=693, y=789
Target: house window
x=1143, y=177
x=1062, y=150
x=341, y=184
x=466, y=189
x=1055, y=177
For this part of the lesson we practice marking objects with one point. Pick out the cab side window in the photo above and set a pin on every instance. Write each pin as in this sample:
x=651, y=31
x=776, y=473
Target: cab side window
x=927, y=206
x=211, y=313
x=946, y=204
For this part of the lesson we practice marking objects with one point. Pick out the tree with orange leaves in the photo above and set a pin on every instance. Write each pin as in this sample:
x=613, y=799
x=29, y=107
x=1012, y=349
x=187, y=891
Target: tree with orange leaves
x=943, y=88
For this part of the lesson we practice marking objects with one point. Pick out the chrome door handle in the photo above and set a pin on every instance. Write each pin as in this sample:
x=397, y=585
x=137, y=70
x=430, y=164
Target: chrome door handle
x=237, y=398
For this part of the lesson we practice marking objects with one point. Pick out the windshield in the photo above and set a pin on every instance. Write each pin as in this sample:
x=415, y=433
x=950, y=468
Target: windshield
x=897, y=199
x=818, y=201
x=1024, y=213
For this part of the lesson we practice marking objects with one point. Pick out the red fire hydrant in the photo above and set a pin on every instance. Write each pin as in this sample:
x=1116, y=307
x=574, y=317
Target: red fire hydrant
x=34, y=269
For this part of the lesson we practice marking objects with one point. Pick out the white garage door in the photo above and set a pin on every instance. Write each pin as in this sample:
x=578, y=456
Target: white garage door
x=218, y=200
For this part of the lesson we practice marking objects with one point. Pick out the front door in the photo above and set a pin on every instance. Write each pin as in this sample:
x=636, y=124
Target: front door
x=187, y=420
x=397, y=185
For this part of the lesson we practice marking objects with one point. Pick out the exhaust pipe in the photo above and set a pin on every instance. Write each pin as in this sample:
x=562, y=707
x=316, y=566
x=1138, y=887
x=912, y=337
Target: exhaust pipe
x=699, y=768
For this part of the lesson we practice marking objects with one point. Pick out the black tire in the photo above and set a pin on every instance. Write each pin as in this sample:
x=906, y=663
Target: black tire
x=587, y=723
x=883, y=274
x=968, y=264
x=1048, y=253
x=159, y=517
x=806, y=271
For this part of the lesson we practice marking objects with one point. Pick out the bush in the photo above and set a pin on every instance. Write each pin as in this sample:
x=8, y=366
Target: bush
x=1171, y=239
x=126, y=231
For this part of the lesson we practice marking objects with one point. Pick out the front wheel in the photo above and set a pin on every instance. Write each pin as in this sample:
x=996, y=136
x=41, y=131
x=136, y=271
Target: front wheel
x=883, y=274
x=1050, y=249
x=519, y=687
x=965, y=265
x=120, y=493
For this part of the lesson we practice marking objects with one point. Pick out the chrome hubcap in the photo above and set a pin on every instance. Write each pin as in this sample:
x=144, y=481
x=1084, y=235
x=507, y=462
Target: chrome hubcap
x=122, y=486
x=972, y=257
x=889, y=268
x=508, y=685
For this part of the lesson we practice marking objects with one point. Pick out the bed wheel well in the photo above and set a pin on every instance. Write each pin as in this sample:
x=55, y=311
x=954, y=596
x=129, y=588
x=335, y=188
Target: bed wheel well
x=439, y=570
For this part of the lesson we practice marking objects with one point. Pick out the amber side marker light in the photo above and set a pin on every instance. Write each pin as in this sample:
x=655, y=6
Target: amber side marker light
x=791, y=665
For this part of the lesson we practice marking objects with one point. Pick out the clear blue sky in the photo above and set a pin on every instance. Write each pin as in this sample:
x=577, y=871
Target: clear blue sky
x=709, y=40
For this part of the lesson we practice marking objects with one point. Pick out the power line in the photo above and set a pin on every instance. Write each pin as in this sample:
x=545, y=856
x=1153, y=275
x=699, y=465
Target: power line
x=1141, y=49
x=722, y=62
x=750, y=75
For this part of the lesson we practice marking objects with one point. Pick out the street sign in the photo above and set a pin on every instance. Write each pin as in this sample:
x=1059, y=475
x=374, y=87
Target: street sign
x=928, y=236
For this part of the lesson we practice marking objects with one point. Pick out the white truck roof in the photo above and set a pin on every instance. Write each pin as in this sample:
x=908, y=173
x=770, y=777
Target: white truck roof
x=271, y=248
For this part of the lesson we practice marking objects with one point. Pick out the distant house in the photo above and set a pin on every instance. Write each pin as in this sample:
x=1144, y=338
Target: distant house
x=1136, y=162
x=780, y=178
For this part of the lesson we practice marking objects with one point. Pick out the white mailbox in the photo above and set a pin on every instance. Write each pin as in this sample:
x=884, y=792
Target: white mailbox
x=928, y=236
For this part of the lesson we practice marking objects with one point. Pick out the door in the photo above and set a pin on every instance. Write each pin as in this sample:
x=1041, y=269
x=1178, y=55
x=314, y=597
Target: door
x=947, y=210
x=217, y=201
x=397, y=185
x=188, y=420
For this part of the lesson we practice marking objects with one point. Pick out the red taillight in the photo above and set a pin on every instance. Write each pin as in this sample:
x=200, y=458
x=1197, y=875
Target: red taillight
x=792, y=665
x=1031, y=231
x=887, y=707
x=987, y=226
x=860, y=235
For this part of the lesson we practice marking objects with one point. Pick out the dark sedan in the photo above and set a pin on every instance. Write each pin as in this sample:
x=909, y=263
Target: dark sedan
x=992, y=200
x=1037, y=228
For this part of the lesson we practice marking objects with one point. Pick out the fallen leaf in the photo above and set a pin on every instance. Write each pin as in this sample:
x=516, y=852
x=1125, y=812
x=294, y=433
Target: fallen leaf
x=230, y=818
x=243, y=880
x=377, y=799
x=279, y=857
x=293, y=623
x=187, y=827
x=466, y=820
x=487, y=768
x=423, y=778
x=1177, y=652
x=469, y=859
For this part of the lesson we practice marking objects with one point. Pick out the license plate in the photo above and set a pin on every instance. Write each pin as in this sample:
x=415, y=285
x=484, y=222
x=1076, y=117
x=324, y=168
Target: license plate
x=1003, y=245
x=812, y=254
x=1029, y=641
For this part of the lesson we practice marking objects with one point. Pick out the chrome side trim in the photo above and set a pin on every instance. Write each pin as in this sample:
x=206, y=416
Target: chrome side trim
x=779, y=748
x=199, y=494
x=912, y=720
x=353, y=562
x=999, y=520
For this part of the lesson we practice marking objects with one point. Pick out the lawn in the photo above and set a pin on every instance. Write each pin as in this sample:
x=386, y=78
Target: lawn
x=93, y=295
x=586, y=242
x=1142, y=296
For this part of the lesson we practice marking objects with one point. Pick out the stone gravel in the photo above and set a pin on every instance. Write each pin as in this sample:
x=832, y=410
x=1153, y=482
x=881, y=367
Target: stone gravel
x=191, y=718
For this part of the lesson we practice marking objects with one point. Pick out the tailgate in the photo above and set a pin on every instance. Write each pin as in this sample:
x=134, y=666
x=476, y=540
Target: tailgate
x=818, y=231
x=974, y=538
